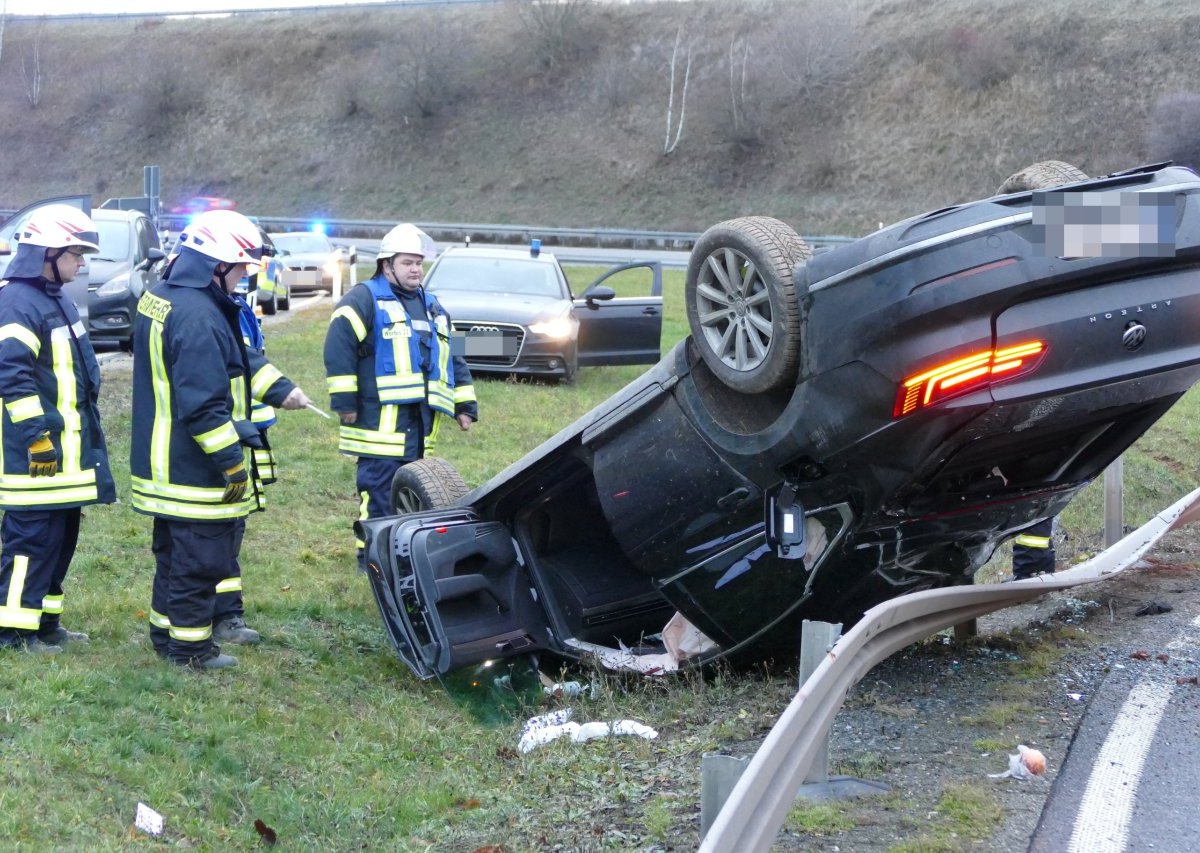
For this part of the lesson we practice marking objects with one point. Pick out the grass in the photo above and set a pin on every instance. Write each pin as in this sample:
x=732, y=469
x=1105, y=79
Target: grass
x=321, y=733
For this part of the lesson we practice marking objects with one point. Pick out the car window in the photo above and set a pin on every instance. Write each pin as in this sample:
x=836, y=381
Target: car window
x=495, y=275
x=298, y=244
x=114, y=240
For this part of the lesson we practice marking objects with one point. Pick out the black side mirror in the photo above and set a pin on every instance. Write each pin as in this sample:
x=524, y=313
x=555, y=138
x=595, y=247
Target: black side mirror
x=601, y=292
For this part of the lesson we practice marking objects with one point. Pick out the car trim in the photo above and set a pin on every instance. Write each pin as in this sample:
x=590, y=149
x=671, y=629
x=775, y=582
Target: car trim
x=979, y=228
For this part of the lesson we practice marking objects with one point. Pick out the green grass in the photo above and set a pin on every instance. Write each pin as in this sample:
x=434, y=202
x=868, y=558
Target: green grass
x=321, y=733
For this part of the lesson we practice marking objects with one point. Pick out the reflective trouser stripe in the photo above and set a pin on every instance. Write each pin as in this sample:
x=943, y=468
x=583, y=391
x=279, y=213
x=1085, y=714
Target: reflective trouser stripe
x=191, y=635
x=230, y=585
x=13, y=615
x=1032, y=541
x=159, y=620
x=53, y=604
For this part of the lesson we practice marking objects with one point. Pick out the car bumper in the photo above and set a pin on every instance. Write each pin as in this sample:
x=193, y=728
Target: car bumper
x=534, y=357
x=110, y=317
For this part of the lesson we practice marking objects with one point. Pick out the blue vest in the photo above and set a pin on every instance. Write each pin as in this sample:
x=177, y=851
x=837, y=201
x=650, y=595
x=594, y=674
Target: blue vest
x=398, y=358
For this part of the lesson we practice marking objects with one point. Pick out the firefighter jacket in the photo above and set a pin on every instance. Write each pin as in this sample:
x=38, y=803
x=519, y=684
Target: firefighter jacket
x=50, y=382
x=191, y=398
x=395, y=370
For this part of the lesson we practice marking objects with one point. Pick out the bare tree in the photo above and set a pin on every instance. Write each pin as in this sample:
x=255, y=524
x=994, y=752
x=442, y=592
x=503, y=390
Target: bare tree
x=31, y=70
x=427, y=65
x=737, y=82
x=559, y=28
x=670, y=145
x=818, y=46
x=3, y=21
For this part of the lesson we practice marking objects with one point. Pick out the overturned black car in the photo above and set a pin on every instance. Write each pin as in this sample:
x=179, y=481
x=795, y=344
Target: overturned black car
x=839, y=428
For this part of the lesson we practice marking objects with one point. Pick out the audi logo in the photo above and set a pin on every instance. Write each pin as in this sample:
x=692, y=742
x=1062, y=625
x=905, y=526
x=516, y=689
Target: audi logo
x=1134, y=336
x=484, y=330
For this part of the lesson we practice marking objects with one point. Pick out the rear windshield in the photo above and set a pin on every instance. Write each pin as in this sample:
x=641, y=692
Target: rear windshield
x=496, y=275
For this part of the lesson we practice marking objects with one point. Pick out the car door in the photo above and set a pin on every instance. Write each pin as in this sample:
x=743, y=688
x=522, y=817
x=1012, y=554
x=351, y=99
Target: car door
x=77, y=289
x=452, y=589
x=146, y=259
x=625, y=328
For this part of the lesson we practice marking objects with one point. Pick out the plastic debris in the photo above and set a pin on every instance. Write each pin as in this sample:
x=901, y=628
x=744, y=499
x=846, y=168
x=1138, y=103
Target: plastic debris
x=148, y=820
x=544, y=728
x=1027, y=764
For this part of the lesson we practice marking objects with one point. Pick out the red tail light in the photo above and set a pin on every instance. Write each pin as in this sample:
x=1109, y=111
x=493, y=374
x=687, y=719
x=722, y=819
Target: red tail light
x=966, y=374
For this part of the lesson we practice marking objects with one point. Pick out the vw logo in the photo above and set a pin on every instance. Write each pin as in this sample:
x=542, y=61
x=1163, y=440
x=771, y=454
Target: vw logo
x=1134, y=336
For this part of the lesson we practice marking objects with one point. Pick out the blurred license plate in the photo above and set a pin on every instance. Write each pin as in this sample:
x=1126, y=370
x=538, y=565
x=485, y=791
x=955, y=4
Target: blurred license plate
x=485, y=343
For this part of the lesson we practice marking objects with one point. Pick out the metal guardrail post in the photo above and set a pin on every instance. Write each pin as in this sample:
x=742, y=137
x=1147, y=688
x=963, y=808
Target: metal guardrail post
x=1114, y=505
x=816, y=639
x=718, y=774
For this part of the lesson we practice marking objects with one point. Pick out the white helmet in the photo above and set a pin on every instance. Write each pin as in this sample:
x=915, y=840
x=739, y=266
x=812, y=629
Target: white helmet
x=223, y=235
x=61, y=226
x=405, y=239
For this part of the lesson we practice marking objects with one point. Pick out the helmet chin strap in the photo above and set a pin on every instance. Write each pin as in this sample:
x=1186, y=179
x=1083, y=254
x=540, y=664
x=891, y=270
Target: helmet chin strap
x=223, y=269
x=53, y=261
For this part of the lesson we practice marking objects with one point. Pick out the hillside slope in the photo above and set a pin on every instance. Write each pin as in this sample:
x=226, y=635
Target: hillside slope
x=832, y=116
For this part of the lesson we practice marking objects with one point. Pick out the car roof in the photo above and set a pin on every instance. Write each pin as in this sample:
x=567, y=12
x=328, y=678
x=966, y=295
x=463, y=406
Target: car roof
x=506, y=254
x=108, y=214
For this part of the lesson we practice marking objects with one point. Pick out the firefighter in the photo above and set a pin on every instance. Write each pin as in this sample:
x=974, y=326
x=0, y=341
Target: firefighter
x=55, y=459
x=390, y=370
x=190, y=459
x=268, y=388
x=1033, y=550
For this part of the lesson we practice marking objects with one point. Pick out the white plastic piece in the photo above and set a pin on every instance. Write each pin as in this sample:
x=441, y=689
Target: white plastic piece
x=148, y=820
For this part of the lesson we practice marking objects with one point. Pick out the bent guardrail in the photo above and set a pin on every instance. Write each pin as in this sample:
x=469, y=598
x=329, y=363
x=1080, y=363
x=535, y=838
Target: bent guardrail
x=759, y=803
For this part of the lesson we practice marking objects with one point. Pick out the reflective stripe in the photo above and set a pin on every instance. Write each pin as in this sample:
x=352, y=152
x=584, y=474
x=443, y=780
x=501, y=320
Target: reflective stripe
x=21, y=490
x=364, y=500
x=263, y=380
x=160, y=430
x=217, y=439
x=158, y=620
x=367, y=442
x=187, y=502
x=12, y=614
x=229, y=585
x=53, y=604
x=237, y=389
x=71, y=438
x=25, y=408
x=18, y=332
x=356, y=323
x=1032, y=541
x=191, y=635
x=464, y=394
x=342, y=384
x=431, y=439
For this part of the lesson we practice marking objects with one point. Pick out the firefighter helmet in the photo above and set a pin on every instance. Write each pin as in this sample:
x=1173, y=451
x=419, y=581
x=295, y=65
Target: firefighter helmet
x=61, y=226
x=223, y=235
x=404, y=239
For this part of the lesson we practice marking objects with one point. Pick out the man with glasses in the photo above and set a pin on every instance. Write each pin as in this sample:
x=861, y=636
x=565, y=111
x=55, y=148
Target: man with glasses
x=54, y=455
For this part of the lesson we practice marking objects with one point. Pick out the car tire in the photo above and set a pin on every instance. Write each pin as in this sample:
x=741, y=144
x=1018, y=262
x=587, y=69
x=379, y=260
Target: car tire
x=268, y=307
x=428, y=483
x=570, y=373
x=1041, y=176
x=285, y=301
x=761, y=253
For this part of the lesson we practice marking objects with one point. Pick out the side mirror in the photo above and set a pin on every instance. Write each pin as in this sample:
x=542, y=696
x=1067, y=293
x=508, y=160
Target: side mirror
x=153, y=256
x=601, y=292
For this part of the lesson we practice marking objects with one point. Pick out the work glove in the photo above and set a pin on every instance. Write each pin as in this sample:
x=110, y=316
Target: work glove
x=236, y=480
x=296, y=399
x=43, y=458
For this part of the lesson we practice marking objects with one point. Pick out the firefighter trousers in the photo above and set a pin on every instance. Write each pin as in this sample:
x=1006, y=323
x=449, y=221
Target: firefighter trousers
x=373, y=479
x=38, y=546
x=191, y=558
x=1033, y=550
x=229, y=589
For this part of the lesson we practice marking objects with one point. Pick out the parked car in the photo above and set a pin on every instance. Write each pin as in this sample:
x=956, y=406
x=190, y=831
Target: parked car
x=267, y=287
x=127, y=264
x=311, y=261
x=515, y=313
x=839, y=428
x=77, y=289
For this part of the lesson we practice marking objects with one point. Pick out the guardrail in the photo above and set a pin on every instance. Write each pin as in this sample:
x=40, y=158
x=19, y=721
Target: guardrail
x=760, y=801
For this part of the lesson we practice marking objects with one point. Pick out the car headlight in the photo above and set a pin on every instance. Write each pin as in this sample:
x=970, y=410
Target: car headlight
x=558, y=328
x=114, y=286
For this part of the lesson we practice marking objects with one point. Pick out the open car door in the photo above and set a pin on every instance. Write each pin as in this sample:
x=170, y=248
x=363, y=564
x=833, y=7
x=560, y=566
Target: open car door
x=453, y=590
x=615, y=328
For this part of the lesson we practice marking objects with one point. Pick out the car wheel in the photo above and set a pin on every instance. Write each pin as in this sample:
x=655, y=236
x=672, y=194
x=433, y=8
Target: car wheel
x=570, y=372
x=741, y=302
x=126, y=344
x=1041, y=176
x=426, y=484
x=268, y=307
x=285, y=300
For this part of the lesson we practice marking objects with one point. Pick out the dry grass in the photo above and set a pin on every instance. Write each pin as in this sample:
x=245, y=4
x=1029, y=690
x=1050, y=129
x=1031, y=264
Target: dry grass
x=471, y=115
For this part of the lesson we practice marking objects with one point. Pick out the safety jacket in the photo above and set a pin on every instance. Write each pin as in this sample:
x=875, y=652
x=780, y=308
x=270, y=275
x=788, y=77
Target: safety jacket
x=50, y=382
x=191, y=398
x=377, y=366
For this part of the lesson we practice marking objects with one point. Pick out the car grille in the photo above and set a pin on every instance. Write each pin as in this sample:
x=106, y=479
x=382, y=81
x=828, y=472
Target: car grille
x=490, y=344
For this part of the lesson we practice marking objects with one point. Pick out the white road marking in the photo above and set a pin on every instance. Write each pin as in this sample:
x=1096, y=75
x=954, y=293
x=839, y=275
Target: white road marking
x=1102, y=825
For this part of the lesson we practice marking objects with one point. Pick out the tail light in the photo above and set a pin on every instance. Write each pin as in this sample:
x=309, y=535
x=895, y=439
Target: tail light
x=963, y=375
